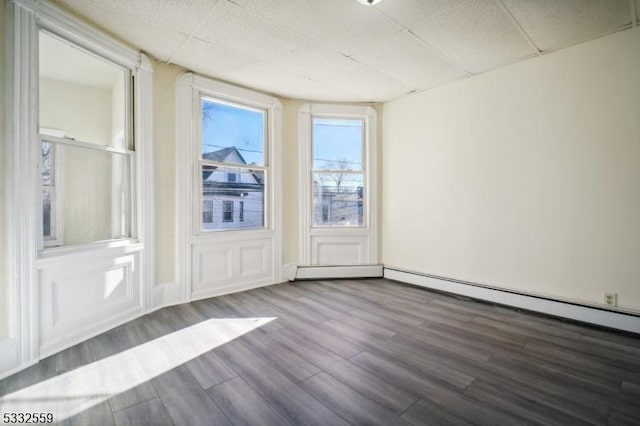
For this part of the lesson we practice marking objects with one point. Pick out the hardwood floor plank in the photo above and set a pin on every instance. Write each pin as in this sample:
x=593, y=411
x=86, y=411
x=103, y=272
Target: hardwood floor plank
x=100, y=414
x=327, y=339
x=428, y=413
x=284, y=395
x=210, y=370
x=148, y=413
x=428, y=339
x=518, y=405
x=74, y=357
x=285, y=360
x=193, y=407
x=384, y=393
x=464, y=406
x=185, y=400
x=348, y=403
x=243, y=406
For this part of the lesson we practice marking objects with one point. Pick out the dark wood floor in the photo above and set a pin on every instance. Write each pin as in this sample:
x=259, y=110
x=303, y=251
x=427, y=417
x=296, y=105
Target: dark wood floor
x=351, y=352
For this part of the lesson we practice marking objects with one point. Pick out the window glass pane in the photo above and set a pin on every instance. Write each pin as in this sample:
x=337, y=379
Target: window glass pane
x=81, y=94
x=231, y=134
x=338, y=199
x=337, y=144
x=89, y=198
x=236, y=203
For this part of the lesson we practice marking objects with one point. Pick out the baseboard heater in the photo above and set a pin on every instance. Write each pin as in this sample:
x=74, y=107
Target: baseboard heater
x=334, y=272
x=626, y=321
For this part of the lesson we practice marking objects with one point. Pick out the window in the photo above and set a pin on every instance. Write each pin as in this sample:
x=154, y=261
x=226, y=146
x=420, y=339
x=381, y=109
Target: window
x=227, y=211
x=233, y=166
x=207, y=212
x=338, y=172
x=87, y=197
x=52, y=169
x=338, y=184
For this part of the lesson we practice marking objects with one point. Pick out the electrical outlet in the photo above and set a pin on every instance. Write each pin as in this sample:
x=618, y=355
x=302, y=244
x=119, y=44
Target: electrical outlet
x=611, y=299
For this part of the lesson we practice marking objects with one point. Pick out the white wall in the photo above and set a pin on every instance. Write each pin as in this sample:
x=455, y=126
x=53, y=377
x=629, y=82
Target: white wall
x=526, y=177
x=164, y=146
x=84, y=113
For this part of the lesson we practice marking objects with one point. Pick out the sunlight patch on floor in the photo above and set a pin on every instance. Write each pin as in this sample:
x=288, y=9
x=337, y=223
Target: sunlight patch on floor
x=78, y=390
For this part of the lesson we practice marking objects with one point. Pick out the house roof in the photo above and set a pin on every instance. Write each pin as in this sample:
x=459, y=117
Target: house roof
x=223, y=154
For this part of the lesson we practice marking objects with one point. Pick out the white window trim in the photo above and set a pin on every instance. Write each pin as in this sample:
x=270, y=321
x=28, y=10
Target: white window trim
x=307, y=230
x=25, y=18
x=58, y=166
x=190, y=88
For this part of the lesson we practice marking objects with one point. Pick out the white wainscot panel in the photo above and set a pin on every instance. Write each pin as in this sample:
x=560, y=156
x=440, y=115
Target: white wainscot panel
x=211, y=266
x=255, y=259
x=339, y=250
x=80, y=300
x=233, y=264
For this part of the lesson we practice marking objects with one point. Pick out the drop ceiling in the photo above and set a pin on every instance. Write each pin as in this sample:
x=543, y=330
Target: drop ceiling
x=340, y=50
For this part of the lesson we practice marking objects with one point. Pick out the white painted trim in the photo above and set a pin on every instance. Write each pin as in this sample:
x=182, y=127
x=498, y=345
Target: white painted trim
x=144, y=190
x=582, y=313
x=305, y=116
x=233, y=288
x=184, y=190
x=336, y=272
x=71, y=339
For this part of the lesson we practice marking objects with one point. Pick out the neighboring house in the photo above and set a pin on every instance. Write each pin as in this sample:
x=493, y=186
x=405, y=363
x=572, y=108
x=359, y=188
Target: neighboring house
x=337, y=205
x=233, y=198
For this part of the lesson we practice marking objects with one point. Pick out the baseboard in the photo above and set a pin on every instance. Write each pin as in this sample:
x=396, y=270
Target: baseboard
x=573, y=311
x=334, y=272
x=234, y=288
x=166, y=294
x=72, y=339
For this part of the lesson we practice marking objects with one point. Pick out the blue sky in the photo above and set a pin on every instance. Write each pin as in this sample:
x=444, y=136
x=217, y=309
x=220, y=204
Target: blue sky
x=225, y=126
x=336, y=142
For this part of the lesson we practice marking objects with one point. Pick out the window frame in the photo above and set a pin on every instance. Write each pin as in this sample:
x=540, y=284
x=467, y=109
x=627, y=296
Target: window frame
x=59, y=139
x=312, y=237
x=361, y=172
x=56, y=239
x=237, y=168
x=189, y=241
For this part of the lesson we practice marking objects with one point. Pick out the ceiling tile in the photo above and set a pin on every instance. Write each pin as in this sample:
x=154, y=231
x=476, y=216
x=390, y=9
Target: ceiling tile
x=553, y=24
x=276, y=80
x=357, y=78
x=241, y=31
x=157, y=37
x=405, y=58
x=476, y=34
x=180, y=16
x=199, y=56
x=342, y=25
x=409, y=12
